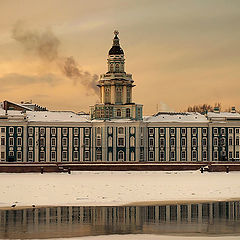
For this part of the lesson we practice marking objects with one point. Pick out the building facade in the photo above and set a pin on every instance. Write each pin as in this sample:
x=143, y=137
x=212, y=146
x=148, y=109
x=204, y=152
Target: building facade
x=116, y=130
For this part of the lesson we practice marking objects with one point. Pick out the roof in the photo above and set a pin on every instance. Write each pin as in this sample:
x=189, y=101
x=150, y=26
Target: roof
x=223, y=115
x=176, y=117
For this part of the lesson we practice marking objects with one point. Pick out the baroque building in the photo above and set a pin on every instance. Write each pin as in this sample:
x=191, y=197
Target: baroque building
x=115, y=130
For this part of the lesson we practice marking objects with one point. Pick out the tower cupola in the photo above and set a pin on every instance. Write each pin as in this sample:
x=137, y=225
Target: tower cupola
x=116, y=49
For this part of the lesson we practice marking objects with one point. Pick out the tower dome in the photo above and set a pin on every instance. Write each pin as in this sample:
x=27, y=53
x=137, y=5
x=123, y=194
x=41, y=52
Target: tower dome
x=116, y=49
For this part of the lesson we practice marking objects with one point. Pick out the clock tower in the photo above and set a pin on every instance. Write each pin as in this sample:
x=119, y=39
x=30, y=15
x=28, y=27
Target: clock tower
x=116, y=89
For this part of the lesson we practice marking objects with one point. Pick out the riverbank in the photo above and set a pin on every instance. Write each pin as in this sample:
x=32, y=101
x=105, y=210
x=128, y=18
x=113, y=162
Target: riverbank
x=116, y=188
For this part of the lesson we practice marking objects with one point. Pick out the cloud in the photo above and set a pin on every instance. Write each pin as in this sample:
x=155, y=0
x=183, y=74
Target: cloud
x=14, y=80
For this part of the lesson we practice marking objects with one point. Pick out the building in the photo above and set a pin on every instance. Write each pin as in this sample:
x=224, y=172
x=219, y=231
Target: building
x=115, y=130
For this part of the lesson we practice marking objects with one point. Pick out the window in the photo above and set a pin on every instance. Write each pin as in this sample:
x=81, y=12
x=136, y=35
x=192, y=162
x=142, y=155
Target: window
x=117, y=67
x=183, y=156
x=87, y=155
x=119, y=113
x=118, y=94
x=11, y=130
x=204, y=154
x=11, y=141
x=109, y=141
x=120, y=130
x=237, y=154
x=151, y=155
x=194, y=142
x=75, y=131
x=223, y=141
x=53, y=156
x=42, y=131
x=98, y=130
x=19, y=156
x=53, y=131
x=3, y=141
x=87, y=142
x=19, y=130
x=128, y=112
x=64, y=142
x=132, y=141
x=129, y=96
x=194, y=131
x=11, y=153
x=215, y=155
x=230, y=141
x=75, y=142
x=183, y=131
x=111, y=67
x=30, y=156
x=183, y=142
x=215, y=142
x=64, y=155
x=42, y=156
x=30, y=142
x=120, y=155
x=230, y=155
x=2, y=155
x=223, y=131
x=132, y=130
x=53, y=142
x=151, y=142
x=120, y=142
x=99, y=155
x=204, y=131
x=162, y=156
x=98, y=142
x=141, y=141
x=230, y=130
x=151, y=131
x=87, y=131
x=30, y=131
x=110, y=130
x=237, y=141
x=139, y=112
x=194, y=155
x=2, y=130
x=64, y=131
x=237, y=130
x=141, y=154
x=162, y=142
x=172, y=156
x=172, y=142
x=75, y=156
x=172, y=131
x=161, y=131
x=42, y=142
x=204, y=142
x=19, y=141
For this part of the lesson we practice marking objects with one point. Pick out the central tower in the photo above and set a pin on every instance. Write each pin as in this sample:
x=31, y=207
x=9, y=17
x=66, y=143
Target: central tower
x=116, y=89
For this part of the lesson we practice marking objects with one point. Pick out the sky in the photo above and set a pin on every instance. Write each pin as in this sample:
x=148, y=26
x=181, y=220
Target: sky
x=180, y=52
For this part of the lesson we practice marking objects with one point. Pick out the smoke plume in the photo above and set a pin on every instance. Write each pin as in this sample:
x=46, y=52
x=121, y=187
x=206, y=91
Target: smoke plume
x=45, y=45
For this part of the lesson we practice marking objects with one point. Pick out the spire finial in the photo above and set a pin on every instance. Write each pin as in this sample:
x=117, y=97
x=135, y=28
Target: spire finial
x=116, y=32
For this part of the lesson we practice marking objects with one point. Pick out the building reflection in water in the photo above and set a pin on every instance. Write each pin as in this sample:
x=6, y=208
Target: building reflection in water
x=205, y=218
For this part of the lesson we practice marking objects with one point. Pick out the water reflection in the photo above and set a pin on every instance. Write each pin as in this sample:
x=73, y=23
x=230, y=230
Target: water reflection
x=205, y=218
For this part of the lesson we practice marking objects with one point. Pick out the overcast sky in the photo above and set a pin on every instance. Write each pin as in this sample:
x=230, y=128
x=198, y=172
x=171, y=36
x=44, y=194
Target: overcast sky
x=180, y=52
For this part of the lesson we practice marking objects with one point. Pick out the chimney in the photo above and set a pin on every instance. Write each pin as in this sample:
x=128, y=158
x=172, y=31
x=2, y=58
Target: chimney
x=216, y=110
x=233, y=110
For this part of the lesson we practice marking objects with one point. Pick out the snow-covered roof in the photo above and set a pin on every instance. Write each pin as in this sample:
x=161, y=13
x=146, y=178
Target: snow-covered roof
x=225, y=115
x=56, y=116
x=176, y=117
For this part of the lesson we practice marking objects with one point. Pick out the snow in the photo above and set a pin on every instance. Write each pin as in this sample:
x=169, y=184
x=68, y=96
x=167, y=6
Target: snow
x=116, y=188
x=176, y=117
x=223, y=115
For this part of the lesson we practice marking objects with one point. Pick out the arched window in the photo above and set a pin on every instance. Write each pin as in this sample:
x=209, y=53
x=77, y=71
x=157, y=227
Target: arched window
x=128, y=112
x=119, y=112
x=132, y=156
x=120, y=156
x=109, y=141
x=117, y=67
x=132, y=142
x=120, y=130
x=111, y=67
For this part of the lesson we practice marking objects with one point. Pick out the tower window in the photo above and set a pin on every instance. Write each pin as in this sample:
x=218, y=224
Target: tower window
x=128, y=112
x=117, y=67
x=119, y=113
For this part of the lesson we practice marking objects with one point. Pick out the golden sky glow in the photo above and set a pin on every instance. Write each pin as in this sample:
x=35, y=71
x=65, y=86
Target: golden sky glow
x=180, y=52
